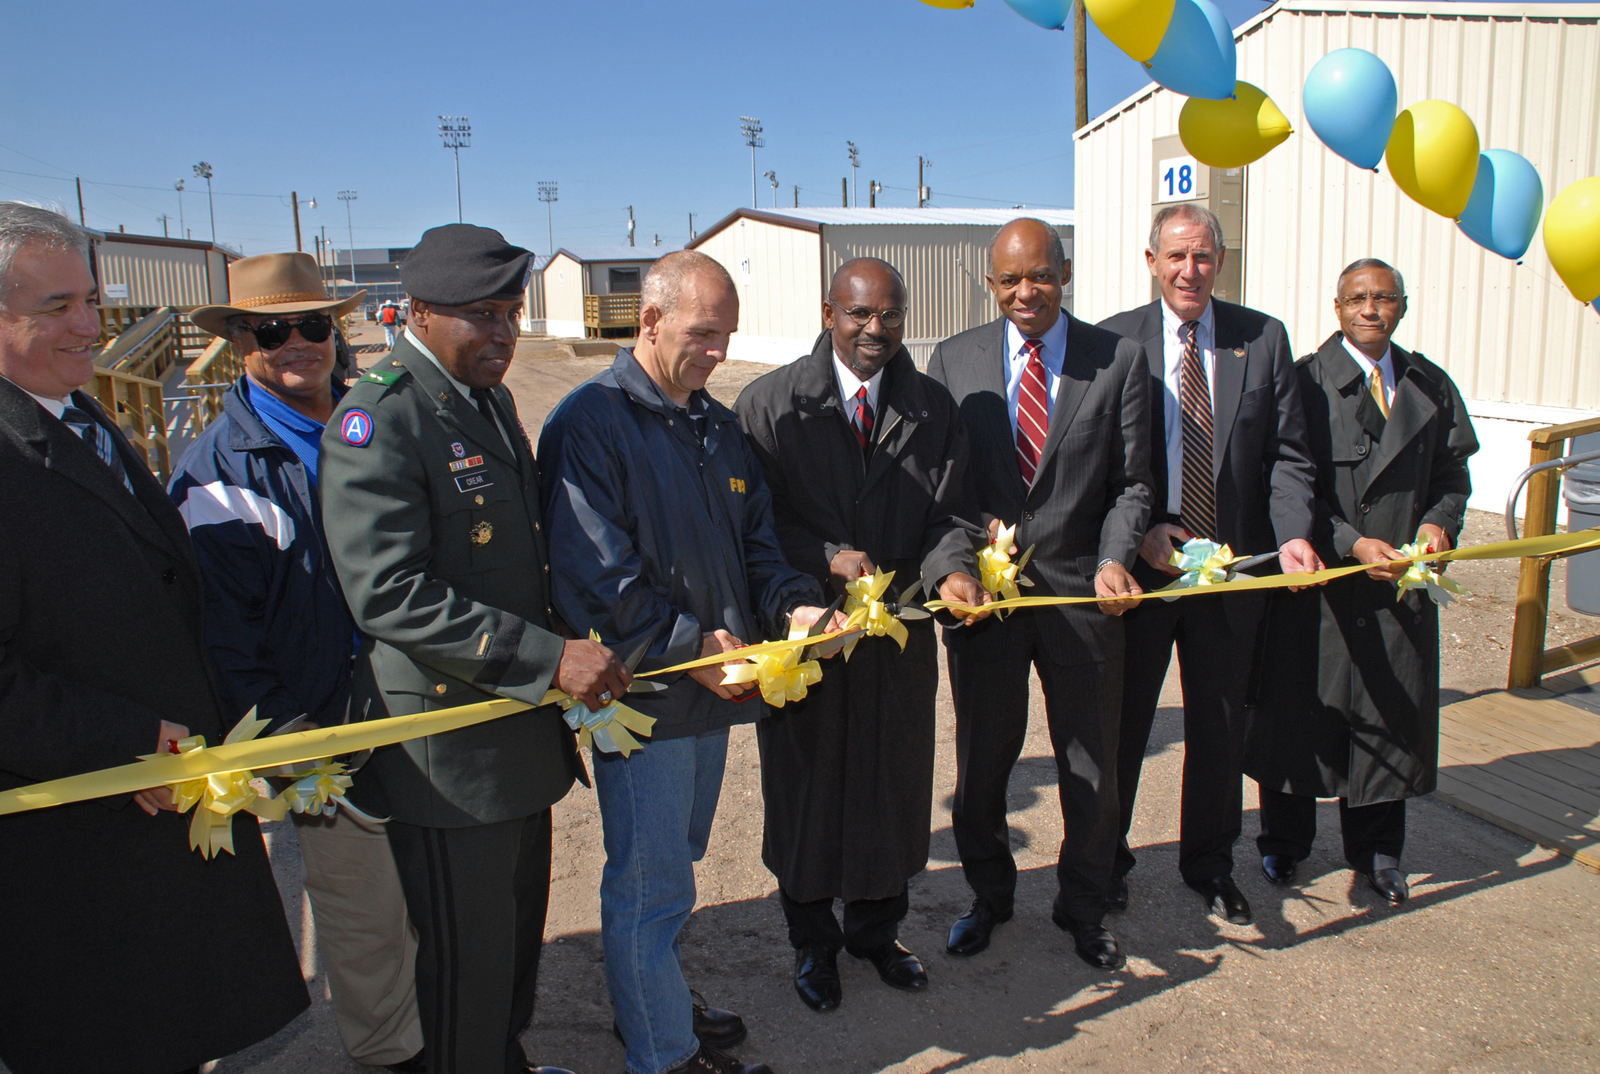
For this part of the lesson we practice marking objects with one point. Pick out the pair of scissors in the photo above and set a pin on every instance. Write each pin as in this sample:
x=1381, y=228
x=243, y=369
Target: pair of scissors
x=825, y=649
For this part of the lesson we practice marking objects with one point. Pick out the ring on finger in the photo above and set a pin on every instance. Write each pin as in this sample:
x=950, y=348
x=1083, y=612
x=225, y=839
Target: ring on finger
x=605, y=698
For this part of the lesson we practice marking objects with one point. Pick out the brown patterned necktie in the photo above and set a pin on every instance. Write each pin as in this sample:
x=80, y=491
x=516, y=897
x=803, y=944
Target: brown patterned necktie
x=1199, y=511
x=1375, y=386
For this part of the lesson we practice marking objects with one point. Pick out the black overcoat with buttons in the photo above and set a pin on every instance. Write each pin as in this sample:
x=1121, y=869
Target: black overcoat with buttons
x=122, y=949
x=847, y=773
x=434, y=527
x=1347, y=690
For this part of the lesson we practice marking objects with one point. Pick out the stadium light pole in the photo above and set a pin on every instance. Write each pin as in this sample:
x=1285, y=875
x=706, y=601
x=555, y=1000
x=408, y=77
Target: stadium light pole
x=855, y=163
x=203, y=171
x=456, y=133
x=751, y=128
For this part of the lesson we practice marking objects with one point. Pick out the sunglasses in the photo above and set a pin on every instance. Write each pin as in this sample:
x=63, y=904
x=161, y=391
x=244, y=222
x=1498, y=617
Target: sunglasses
x=863, y=316
x=270, y=335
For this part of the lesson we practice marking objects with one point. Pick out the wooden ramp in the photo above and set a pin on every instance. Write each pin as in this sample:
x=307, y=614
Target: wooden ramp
x=1529, y=762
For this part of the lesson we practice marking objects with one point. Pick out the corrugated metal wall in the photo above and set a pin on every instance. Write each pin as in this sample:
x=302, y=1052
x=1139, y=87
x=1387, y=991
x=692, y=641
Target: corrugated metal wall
x=158, y=275
x=778, y=271
x=1528, y=75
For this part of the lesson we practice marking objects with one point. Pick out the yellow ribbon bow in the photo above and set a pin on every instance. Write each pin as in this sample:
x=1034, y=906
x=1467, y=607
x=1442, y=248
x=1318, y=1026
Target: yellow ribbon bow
x=605, y=731
x=317, y=789
x=999, y=575
x=1202, y=562
x=217, y=797
x=864, y=609
x=1421, y=575
x=782, y=676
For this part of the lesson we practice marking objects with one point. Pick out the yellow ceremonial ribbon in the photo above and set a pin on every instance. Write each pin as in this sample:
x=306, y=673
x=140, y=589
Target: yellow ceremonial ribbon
x=864, y=609
x=1441, y=590
x=218, y=796
x=781, y=676
x=996, y=572
x=1203, y=563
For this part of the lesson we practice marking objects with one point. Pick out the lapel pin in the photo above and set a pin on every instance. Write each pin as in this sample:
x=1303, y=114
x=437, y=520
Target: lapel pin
x=1238, y=352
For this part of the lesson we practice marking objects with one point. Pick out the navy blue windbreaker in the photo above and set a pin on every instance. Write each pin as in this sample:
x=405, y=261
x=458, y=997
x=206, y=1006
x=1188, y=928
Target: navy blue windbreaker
x=655, y=535
x=276, y=623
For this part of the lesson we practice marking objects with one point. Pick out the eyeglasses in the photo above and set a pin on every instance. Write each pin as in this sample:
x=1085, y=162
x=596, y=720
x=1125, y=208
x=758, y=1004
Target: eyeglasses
x=1382, y=298
x=271, y=335
x=863, y=316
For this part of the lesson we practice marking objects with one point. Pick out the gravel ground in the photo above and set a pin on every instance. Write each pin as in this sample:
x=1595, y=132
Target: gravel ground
x=1480, y=972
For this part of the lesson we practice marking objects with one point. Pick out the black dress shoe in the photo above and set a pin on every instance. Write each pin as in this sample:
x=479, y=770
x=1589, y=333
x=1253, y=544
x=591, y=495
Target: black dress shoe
x=1117, y=894
x=710, y=1061
x=970, y=933
x=713, y=1026
x=548, y=1070
x=1391, y=884
x=1224, y=899
x=417, y=1064
x=1278, y=868
x=897, y=967
x=816, y=977
x=1092, y=940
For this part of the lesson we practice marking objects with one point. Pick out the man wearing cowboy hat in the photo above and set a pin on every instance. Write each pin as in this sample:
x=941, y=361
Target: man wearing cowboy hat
x=277, y=627
x=430, y=496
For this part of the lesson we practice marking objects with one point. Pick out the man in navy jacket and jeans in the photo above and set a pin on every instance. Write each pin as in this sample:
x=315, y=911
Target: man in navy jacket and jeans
x=277, y=626
x=661, y=531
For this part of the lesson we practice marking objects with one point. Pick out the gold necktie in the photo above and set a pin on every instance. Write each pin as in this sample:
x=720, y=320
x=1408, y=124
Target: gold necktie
x=1375, y=386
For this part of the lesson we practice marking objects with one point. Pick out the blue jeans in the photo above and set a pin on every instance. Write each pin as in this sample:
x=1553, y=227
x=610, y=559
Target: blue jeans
x=656, y=808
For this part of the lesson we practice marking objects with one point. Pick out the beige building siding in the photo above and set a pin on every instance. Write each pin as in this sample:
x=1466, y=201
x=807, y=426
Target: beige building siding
x=161, y=275
x=778, y=272
x=563, y=296
x=533, y=315
x=1527, y=74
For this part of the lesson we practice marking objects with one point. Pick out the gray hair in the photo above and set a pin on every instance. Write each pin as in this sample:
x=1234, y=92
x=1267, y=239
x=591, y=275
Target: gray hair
x=1372, y=262
x=1057, y=250
x=23, y=224
x=1194, y=214
x=663, y=284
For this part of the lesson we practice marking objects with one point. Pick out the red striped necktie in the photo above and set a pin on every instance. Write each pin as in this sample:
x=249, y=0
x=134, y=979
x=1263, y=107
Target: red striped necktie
x=1033, y=412
x=863, y=421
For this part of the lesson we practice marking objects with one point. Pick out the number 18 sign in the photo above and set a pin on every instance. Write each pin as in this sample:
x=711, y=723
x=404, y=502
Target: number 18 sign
x=1181, y=179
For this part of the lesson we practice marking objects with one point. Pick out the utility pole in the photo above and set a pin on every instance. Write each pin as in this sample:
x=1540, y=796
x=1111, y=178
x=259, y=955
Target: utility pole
x=203, y=171
x=1080, y=49
x=163, y=219
x=751, y=128
x=547, y=194
x=873, y=187
x=923, y=193
x=844, y=192
x=328, y=257
x=772, y=177
x=81, y=220
x=630, y=225
x=456, y=134
x=797, y=195
x=691, y=227
x=294, y=200
x=347, y=196
x=658, y=239
x=177, y=185
x=855, y=162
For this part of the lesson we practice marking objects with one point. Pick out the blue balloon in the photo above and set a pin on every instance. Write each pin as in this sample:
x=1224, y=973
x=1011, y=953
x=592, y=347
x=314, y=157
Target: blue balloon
x=1196, y=57
x=1507, y=201
x=1051, y=14
x=1350, y=100
x=1596, y=305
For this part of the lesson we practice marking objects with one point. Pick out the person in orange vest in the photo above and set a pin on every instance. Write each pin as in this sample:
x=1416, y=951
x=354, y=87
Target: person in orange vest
x=389, y=317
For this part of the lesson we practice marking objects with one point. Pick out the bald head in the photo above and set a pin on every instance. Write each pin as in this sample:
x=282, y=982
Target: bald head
x=865, y=312
x=688, y=310
x=667, y=279
x=1028, y=271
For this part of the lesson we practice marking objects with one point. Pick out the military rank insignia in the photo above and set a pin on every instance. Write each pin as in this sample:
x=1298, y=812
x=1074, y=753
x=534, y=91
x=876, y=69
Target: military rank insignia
x=356, y=428
x=481, y=534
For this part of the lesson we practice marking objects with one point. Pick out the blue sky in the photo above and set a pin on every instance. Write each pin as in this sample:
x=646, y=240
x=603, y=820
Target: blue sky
x=621, y=103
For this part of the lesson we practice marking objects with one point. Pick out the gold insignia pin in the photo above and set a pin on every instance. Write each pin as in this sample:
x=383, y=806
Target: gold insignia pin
x=482, y=533
x=1238, y=352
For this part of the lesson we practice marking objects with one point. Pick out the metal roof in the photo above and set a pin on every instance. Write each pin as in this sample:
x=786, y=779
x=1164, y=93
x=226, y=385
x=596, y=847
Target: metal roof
x=981, y=217
x=589, y=254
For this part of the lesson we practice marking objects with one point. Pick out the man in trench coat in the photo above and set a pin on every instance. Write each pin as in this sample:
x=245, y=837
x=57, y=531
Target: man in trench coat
x=114, y=930
x=865, y=458
x=1349, y=681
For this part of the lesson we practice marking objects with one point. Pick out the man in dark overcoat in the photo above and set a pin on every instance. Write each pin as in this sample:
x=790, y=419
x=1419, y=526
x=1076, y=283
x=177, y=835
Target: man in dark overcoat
x=430, y=503
x=1349, y=703
x=1057, y=413
x=122, y=949
x=865, y=458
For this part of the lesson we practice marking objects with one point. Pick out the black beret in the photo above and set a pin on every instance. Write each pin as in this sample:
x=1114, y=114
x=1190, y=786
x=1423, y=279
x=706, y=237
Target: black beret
x=458, y=264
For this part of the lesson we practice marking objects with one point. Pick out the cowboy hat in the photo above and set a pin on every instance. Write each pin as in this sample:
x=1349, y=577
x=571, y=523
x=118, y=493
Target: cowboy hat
x=273, y=283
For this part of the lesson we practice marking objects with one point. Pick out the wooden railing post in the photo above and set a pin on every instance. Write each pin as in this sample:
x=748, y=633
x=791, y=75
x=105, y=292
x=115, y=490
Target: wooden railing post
x=1533, y=579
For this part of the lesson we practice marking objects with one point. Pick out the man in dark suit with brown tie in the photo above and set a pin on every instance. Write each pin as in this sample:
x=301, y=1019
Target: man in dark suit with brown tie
x=1230, y=461
x=1057, y=413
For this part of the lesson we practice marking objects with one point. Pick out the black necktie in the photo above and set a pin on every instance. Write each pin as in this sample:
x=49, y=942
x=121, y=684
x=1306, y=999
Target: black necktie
x=99, y=438
x=485, y=400
x=1199, y=508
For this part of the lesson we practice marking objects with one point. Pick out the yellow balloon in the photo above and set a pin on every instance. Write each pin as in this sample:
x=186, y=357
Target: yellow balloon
x=950, y=5
x=1134, y=26
x=1231, y=134
x=1433, y=156
x=1572, y=238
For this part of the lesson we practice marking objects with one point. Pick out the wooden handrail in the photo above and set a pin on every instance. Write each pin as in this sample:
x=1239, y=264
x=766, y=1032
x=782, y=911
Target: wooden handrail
x=1551, y=434
x=218, y=364
x=140, y=412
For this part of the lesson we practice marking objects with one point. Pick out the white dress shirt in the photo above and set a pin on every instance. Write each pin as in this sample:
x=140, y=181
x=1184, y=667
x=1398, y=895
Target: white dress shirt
x=466, y=392
x=850, y=384
x=56, y=407
x=1172, y=371
x=1052, y=353
x=1386, y=364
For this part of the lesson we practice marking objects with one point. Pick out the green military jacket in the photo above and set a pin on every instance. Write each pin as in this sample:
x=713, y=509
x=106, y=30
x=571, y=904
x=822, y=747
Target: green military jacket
x=433, y=524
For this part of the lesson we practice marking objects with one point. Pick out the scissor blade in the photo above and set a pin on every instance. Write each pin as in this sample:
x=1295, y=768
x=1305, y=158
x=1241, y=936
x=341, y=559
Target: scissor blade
x=1023, y=562
x=292, y=725
x=646, y=686
x=913, y=613
x=828, y=648
x=1254, y=561
x=637, y=657
x=821, y=625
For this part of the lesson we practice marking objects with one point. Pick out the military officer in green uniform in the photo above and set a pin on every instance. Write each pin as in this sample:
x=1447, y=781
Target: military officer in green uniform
x=430, y=499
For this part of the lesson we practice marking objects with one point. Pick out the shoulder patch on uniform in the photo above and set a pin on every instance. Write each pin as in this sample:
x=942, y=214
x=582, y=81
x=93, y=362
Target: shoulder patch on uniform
x=386, y=375
x=356, y=428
